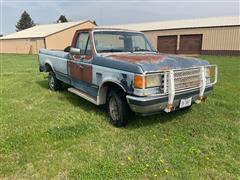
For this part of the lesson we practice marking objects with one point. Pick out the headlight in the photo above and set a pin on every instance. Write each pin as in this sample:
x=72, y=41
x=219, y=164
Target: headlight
x=211, y=74
x=147, y=81
x=207, y=72
x=153, y=80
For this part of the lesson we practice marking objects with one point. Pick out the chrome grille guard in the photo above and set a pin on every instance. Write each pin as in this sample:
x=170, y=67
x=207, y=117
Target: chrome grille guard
x=178, y=80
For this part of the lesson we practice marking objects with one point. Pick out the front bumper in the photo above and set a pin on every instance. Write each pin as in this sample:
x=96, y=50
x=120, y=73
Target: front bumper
x=155, y=104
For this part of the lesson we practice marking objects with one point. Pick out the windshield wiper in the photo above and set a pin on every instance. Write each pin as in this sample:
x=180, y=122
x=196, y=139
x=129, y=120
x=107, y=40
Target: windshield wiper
x=137, y=50
x=110, y=50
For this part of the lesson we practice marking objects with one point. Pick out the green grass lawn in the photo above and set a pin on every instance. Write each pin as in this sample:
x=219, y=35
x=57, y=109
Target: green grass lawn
x=58, y=135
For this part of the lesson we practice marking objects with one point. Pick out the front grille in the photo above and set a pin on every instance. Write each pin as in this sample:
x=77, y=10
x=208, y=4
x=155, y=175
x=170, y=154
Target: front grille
x=183, y=79
x=186, y=79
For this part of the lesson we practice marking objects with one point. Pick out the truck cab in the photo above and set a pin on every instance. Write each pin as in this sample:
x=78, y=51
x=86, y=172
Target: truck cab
x=120, y=68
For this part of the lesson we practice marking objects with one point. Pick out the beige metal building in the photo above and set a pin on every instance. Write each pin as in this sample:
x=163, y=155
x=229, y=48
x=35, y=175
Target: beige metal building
x=214, y=36
x=51, y=36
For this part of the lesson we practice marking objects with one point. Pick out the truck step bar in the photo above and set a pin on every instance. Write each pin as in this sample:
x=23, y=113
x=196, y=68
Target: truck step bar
x=83, y=95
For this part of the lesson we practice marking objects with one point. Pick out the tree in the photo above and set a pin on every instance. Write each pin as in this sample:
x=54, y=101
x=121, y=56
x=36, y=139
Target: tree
x=24, y=22
x=94, y=22
x=62, y=19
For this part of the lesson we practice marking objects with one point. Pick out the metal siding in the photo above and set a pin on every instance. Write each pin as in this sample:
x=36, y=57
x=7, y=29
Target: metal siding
x=21, y=46
x=218, y=38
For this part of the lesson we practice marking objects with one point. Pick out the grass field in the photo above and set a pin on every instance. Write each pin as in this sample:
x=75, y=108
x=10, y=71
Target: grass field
x=58, y=135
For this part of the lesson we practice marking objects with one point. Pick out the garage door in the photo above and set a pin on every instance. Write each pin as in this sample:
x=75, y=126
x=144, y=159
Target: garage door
x=190, y=44
x=167, y=44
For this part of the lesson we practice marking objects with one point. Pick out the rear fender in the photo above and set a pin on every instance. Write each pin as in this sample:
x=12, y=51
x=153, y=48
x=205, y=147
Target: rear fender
x=49, y=66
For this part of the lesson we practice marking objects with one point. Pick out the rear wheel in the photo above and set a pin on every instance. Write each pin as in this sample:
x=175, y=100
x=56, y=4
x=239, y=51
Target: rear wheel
x=118, y=109
x=53, y=83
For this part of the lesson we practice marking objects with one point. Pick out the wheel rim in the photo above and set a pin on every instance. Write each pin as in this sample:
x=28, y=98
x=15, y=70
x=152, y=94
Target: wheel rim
x=51, y=83
x=113, y=108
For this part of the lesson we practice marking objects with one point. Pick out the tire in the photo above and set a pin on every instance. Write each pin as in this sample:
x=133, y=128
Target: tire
x=53, y=83
x=117, y=108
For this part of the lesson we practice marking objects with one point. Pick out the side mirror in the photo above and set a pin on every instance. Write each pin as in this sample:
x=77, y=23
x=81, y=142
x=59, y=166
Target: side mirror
x=67, y=49
x=75, y=51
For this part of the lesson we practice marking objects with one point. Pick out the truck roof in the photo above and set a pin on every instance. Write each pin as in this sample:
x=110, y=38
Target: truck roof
x=107, y=29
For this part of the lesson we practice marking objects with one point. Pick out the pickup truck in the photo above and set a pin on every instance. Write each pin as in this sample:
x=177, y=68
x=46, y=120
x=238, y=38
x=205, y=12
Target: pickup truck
x=120, y=68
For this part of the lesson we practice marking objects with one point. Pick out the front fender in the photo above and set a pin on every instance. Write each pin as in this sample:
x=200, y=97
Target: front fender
x=113, y=81
x=103, y=89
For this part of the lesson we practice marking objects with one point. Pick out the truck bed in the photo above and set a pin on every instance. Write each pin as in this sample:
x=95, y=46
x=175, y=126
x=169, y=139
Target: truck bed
x=55, y=58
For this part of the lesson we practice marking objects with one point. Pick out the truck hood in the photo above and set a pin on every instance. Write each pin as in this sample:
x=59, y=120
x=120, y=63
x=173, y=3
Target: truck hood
x=156, y=61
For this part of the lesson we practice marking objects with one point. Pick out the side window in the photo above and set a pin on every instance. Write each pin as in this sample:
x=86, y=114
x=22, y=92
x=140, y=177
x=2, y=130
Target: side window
x=82, y=42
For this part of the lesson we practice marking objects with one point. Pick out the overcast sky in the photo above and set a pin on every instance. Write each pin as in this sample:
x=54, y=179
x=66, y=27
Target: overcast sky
x=106, y=12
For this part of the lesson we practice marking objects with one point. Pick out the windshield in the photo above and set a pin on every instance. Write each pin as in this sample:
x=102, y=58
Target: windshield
x=118, y=41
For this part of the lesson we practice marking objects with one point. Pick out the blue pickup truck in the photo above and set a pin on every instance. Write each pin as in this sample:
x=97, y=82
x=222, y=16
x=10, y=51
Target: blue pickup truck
x=121, y=69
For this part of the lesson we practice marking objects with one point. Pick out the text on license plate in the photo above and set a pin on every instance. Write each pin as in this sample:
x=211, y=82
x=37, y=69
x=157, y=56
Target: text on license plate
x=185, y=102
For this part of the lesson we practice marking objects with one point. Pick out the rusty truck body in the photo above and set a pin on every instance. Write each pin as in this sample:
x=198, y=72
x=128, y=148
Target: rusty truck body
x=121, y=69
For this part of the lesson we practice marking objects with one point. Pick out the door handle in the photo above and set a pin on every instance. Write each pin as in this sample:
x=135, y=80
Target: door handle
x=80, y=66
x=82, y=58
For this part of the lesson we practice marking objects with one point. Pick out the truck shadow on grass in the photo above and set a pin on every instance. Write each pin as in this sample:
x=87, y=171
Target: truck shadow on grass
x=161, y=118
x=73, y=99
x=135, y=122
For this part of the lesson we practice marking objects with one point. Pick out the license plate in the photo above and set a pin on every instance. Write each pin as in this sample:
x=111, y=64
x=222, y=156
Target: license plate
x=185, y=102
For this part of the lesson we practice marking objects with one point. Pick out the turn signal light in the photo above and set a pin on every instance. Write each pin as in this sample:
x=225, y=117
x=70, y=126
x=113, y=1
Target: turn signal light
x=139, y=81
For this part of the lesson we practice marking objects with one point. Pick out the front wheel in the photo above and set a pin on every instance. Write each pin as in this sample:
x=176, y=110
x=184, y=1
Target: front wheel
x=53, y=83
x=118, y=109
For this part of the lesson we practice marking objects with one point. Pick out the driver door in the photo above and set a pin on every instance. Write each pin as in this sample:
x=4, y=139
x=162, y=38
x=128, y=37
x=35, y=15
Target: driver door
x=79, y=65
